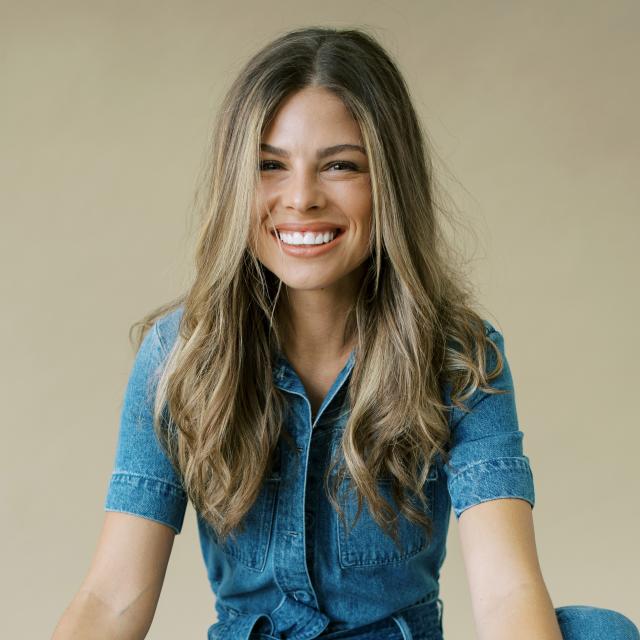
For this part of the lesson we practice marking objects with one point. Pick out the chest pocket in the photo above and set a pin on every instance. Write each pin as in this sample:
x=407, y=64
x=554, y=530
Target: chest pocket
x=366, y=543
x=251, y=546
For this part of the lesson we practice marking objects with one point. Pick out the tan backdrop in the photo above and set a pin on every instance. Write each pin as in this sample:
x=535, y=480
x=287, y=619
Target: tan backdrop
x=532, y=109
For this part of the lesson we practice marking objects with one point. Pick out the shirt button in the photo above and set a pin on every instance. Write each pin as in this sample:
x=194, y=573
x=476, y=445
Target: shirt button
x=302, y=596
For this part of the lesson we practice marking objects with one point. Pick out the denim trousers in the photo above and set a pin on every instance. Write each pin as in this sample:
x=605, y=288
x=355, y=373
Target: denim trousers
x=577, y=622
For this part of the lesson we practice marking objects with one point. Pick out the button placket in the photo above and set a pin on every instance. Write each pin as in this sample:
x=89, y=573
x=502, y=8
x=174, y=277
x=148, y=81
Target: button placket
x=298, y=614
x=290, y=551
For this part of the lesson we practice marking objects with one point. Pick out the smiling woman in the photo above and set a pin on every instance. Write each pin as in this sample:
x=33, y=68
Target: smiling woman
x=325, y=392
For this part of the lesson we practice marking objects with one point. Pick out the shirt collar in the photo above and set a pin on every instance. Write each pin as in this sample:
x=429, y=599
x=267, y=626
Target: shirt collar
x=285, y=377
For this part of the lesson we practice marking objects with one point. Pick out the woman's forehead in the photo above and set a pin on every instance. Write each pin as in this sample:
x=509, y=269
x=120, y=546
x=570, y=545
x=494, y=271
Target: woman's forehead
x=308, y=117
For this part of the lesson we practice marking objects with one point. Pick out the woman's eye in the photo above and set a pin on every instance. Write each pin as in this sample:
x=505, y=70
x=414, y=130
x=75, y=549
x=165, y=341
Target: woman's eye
x=264, y=164
x=348, y=165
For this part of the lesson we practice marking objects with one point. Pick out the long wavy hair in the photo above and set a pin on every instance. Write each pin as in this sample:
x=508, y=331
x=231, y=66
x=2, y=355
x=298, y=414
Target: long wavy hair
x=413, y=320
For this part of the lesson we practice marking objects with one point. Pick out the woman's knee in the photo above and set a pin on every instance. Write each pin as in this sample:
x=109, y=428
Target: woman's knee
x=582, y=622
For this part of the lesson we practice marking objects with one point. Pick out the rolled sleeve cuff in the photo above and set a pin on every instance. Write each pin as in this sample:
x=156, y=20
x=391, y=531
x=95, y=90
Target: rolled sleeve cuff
x=147, y=497
x=490, y=480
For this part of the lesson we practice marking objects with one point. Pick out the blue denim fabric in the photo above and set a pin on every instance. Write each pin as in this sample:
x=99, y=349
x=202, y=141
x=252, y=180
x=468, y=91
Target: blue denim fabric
x=294, y=573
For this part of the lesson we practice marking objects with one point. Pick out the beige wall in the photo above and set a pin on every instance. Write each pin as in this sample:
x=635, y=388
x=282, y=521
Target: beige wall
x=533, y=110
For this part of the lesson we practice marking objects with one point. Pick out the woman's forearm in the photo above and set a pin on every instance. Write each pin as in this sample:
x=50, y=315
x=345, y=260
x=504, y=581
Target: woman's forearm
x=89, y=618
x=527, y=613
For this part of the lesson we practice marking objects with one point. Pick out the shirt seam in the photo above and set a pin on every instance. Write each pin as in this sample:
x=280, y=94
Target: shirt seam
x=163, y=348
x=147, y=477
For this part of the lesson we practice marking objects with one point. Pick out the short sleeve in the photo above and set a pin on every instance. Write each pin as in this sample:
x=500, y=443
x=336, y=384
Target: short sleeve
x=486, y=454
x=143, y=481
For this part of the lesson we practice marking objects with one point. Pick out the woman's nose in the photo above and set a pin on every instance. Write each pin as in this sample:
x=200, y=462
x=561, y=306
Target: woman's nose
x=302, y=190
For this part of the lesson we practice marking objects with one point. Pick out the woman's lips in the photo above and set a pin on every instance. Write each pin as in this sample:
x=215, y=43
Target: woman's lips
x=308, y=251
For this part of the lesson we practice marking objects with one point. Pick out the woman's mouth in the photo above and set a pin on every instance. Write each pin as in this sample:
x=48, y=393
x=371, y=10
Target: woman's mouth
x=307, y=244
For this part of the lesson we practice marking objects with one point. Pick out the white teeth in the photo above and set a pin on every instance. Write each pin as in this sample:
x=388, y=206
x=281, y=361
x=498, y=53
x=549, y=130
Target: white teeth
x=308, y=237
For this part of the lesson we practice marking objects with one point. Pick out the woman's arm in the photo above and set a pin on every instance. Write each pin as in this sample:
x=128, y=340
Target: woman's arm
x=508, y=593
x=119, y=595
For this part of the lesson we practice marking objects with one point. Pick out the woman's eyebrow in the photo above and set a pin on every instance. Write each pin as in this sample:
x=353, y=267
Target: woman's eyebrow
x=321, y=153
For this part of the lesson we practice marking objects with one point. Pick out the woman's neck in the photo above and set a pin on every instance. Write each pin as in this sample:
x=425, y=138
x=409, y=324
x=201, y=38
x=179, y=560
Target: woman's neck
x=313, y=324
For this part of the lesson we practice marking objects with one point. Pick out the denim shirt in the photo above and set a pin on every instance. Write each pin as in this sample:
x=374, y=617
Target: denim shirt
x=294, y=572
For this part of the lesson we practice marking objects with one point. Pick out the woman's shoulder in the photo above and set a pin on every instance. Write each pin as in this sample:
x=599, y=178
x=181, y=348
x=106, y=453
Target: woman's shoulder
x=168, y=326
x=490, y=332
x=496, y=337
x=489, y=328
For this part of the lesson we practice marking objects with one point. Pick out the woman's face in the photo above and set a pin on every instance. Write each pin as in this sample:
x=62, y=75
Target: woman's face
x=312, y=188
